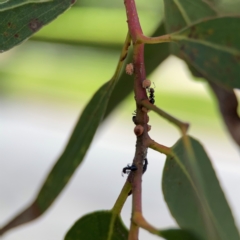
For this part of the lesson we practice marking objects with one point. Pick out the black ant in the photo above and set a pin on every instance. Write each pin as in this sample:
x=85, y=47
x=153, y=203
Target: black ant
x=134, y=168
x=145, y=165
x=134, y=117
x=128, y=168
x=151, y=96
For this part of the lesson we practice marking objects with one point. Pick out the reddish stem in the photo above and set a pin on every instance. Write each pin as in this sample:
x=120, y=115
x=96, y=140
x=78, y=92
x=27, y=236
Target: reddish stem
x=140, y=74
x=141, y=116
x=132, y=19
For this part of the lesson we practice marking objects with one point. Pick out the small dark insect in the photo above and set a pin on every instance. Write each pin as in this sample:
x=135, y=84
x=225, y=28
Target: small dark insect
x=145, y=165
x=134, y=117
x=134, y=168
x=129, y=168
x=151, y=96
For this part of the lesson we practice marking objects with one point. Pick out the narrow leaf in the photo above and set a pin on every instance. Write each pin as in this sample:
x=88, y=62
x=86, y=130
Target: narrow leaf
x=74, y=152
x=213, y=48
x=70, y=158
x=6, y=5
x=102, y=225
x=193, y=194
x=20, y=23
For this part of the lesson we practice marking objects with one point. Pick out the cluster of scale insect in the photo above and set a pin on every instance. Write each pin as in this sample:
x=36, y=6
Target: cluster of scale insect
x=145, y=84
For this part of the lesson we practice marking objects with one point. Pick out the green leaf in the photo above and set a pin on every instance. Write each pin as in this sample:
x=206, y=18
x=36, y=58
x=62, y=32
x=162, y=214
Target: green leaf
x=193, y=194
x=181, y=13
x=102, y=225
x=20, y=23
x=70, y=159
x=177, y=234
x=10, y=4
x=76, y=148
x=230, y=7
x=105, y=225
x=154, y=54
x=74, y=152
x=3, y=1
x=213, y=48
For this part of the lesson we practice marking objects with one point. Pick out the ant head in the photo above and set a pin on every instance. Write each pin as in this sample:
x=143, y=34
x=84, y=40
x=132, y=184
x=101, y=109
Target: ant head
x=151, y=90
x=134, y=120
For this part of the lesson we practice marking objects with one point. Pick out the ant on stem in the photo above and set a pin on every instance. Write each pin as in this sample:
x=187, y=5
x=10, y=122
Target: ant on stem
x=128, y=168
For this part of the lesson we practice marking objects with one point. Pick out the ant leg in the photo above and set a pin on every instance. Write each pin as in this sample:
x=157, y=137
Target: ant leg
x=130, y=168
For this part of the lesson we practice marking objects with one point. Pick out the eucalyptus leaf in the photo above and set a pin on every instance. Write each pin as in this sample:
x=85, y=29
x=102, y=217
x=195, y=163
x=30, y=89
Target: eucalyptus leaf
x=3, y=1
x=74, y=152
x=105, y=225
x=10, y=4
x=229, y=7
x=70, y=159
x=101, y=225
x=212, y=47
x=178, y=234
x=20, y=23
x=181, y=13
x=193, y=193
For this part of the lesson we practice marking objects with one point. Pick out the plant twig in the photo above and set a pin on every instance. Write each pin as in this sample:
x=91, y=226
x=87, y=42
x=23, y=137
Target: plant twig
x=181, y=125
x=141, y=146
x=132, y=20
x=141, y=116
x=122, y=57
x=153, y=40
x=160, y=148
x=139, y=220
x=122, y=198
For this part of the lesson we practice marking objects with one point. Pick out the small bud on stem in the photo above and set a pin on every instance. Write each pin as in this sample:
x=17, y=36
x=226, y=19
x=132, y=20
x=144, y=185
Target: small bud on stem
x=138, y=130
x=146, y=83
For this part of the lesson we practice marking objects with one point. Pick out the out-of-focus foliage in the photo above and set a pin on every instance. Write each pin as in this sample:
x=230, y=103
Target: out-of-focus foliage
x=191, y=189
x=97, y=226
x=212, y=47
x=20, y=23
x=6, y=5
